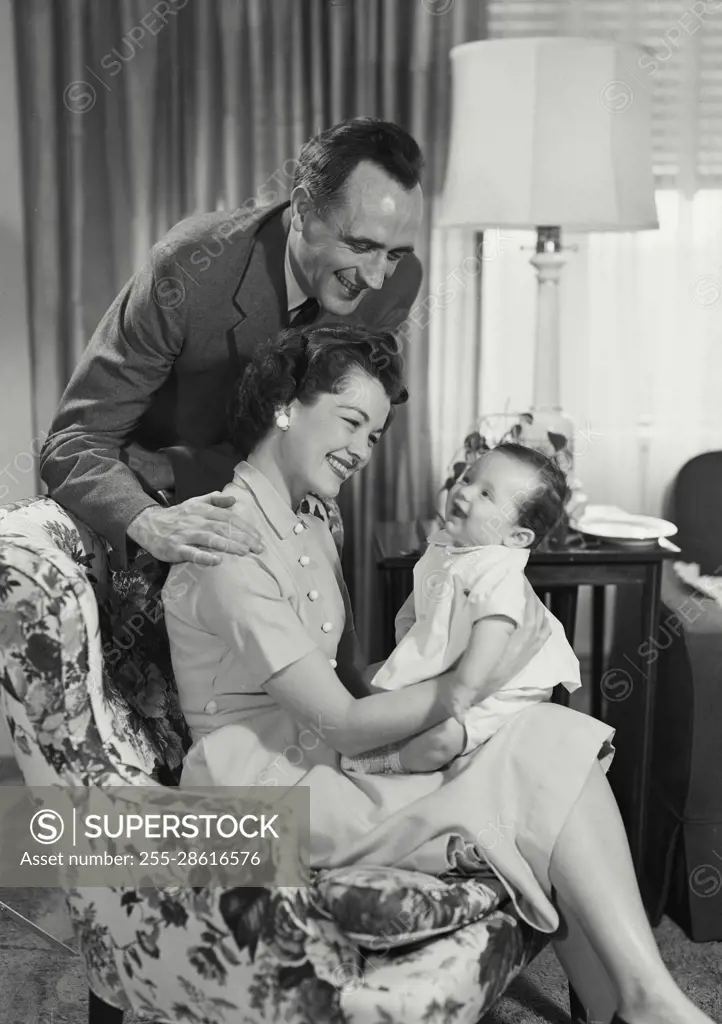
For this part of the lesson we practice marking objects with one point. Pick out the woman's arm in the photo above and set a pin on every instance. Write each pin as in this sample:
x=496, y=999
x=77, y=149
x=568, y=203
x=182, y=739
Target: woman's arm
x=311, y=693
x=494, y=655
x=309, y=690
x=351, y=667
x=240, y=601
x=433, y=749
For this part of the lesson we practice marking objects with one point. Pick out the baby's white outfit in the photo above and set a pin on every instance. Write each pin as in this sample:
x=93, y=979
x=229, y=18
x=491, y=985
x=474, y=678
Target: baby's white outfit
x=454, y=587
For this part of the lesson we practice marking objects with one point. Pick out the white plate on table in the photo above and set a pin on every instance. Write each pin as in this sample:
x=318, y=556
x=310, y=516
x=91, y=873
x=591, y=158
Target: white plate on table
x=625, y=528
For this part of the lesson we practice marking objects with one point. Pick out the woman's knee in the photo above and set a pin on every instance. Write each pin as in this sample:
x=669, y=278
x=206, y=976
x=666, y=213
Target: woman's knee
x=538, y=736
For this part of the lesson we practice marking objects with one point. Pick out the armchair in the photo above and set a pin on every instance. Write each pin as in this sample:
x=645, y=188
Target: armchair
x=89, y=699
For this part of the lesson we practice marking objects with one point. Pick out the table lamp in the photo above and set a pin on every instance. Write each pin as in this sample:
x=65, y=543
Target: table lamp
x=548, y=134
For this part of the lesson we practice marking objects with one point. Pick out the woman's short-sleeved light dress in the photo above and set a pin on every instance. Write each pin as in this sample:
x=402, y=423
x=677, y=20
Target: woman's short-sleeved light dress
x=234, y=626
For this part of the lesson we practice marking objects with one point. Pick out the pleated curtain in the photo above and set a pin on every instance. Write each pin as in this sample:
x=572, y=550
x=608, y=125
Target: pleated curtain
x=136, y=114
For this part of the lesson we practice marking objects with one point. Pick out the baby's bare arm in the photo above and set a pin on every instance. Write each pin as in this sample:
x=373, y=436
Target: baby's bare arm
x=476, y=672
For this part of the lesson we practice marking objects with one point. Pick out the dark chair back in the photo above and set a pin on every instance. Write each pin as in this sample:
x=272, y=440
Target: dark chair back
x=696, y=509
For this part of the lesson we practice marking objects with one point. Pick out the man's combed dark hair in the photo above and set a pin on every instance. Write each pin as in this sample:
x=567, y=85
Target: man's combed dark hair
x=305, y=362
x=326, y=161
x=542, y=509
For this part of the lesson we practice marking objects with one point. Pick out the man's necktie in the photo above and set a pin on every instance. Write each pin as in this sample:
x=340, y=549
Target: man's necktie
x=306, y=313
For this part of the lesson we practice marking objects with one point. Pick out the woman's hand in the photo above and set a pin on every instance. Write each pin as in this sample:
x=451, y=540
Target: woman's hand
x=433, y=749
x=525, y=642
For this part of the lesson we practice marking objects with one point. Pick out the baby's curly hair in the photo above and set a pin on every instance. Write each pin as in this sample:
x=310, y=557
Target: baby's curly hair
x=304, y=362
x=543, y=510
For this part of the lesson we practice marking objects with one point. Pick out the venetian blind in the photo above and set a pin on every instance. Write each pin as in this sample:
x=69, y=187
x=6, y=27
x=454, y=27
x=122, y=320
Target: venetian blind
x=680, y=65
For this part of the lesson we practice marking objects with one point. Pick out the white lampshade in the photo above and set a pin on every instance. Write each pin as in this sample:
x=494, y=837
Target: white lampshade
x=549, y=132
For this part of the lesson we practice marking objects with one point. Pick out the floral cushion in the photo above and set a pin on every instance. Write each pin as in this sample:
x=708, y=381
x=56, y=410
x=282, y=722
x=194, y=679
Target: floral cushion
x=150, y=734
x=51, y=671
x=138, y=673
x=381, y=907
x=264, y=956
x=209, y=956
x=45, y=522
x=454, y=979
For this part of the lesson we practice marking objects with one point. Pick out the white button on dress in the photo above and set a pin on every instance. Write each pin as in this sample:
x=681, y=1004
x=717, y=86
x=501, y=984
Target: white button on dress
x=304, y=560
x=327, y=627
x=211, y=707
x=332, y=662
x=313, y=595
x=298, y=528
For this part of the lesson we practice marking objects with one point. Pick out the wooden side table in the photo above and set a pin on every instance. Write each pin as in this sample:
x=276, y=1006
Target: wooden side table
x=556, y=576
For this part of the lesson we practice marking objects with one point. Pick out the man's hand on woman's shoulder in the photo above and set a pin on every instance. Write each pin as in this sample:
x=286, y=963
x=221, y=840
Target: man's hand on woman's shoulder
x=197, y=530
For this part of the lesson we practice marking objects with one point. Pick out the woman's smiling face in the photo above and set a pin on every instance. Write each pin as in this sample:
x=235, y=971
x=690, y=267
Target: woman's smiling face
x=333, y=437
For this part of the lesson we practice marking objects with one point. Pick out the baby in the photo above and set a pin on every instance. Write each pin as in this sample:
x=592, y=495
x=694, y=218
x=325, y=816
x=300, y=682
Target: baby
x=469, y=596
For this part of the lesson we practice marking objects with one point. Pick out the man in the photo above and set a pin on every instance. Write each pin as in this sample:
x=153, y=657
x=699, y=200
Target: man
x=144, y=414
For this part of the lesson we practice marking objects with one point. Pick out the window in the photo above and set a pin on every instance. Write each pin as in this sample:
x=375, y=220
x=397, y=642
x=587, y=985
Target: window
x=680, y=63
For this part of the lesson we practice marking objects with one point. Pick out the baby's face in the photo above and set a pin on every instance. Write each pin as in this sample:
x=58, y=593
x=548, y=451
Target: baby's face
x=483, y=505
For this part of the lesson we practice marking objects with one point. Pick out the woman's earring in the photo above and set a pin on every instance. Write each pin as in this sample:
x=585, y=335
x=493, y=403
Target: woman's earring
x=282, y=421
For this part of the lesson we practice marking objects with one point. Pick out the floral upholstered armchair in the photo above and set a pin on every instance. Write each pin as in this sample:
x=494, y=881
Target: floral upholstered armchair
x=89, y=698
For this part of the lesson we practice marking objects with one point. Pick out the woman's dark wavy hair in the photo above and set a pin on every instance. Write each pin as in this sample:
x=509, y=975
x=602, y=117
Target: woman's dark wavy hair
x=305, y=362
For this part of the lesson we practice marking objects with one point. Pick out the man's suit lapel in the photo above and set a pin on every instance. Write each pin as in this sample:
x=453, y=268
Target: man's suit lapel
x=259, y=301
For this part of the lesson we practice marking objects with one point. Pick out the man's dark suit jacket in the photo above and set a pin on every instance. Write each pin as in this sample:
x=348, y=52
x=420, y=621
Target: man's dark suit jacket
x=161, y=366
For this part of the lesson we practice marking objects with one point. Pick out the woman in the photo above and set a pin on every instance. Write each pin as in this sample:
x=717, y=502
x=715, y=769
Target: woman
x=271, y=684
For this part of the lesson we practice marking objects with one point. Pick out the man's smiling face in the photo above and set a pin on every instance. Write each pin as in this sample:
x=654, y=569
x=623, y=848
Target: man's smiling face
x=355, y=244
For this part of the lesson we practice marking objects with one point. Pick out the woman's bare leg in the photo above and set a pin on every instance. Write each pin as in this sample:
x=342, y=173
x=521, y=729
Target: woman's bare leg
x=591, y=869
x=585, y=971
